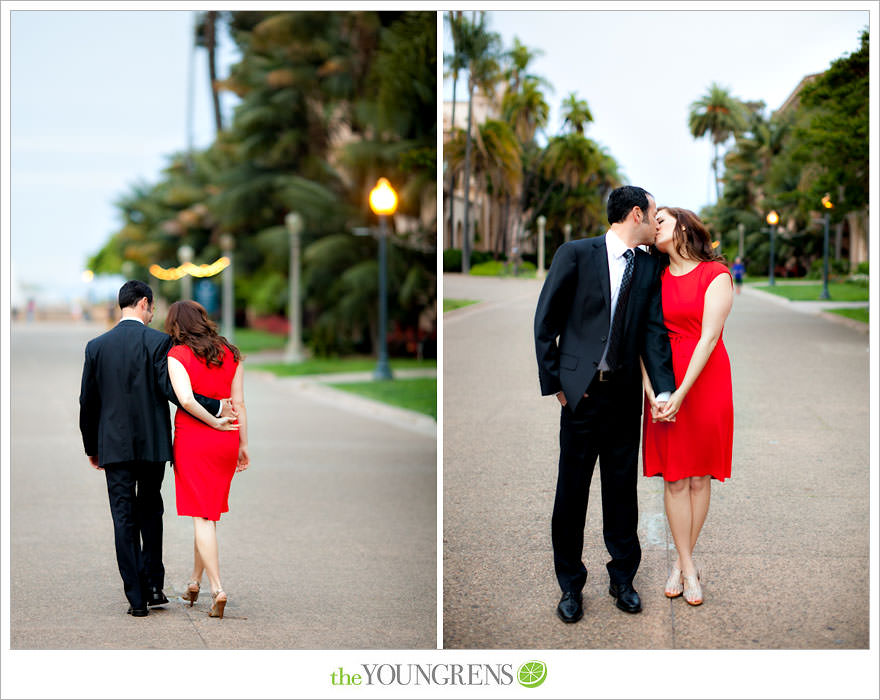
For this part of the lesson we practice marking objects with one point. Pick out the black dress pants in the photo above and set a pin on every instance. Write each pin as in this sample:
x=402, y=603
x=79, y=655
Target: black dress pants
x=137, y=509
x=607, y=425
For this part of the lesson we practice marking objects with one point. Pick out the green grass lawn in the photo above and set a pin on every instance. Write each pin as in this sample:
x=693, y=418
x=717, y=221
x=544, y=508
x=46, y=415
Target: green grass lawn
x=335, y=365
x=839, y=291
x=252, y=340
x=497, y=268
x=412, y=394
x=450, y=304
x=856, y=314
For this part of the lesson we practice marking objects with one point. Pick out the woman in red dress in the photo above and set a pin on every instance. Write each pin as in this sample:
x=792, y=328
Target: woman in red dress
x=205, y=460
x=694, y=445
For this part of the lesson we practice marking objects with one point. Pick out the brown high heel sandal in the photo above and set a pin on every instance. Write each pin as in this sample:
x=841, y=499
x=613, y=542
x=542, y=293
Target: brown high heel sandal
x=192, y=592
x=219, y=598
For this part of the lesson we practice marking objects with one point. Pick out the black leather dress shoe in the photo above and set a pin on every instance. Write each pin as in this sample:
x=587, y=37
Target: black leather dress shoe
x=138, y=612
x=571, y=607
x=627, y=598
x=156, y=596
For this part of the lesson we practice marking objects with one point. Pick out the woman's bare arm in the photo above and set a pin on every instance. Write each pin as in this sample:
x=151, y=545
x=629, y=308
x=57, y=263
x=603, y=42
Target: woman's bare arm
x=237, y=395
x=183, y=390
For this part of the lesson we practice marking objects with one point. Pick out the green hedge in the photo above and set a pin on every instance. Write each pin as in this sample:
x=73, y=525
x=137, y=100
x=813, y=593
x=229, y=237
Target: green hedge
x=452, y=259
x=835, y=268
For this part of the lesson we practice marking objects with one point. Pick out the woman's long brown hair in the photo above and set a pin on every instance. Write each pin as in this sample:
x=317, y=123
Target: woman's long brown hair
x=188, y=324
x=691, y=238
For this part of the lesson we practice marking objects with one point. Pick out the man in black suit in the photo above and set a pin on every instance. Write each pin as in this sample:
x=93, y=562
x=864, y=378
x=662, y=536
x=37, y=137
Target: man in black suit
x=601, y=299
x=126, y=430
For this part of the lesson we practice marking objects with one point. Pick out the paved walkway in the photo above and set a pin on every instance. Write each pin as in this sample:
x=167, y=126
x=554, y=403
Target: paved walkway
x=785, y=547
x=330, y=541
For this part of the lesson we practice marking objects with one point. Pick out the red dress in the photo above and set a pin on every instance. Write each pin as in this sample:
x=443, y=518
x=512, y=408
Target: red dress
x=700, y=441
x=204, y=458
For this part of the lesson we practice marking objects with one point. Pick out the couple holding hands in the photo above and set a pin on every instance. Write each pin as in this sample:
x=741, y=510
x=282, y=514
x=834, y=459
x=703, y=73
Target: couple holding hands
x=619, y=329
x=130, y=374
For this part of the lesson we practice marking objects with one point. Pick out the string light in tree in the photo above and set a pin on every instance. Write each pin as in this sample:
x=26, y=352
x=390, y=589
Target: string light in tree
x=188, y=268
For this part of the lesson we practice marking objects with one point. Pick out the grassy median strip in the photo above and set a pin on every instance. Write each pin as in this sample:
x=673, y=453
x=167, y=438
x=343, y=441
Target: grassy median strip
x=451, y=304
x=839, y=291
x=855, y=314
x=338, y=365
x=412, y=394
x=252, y=340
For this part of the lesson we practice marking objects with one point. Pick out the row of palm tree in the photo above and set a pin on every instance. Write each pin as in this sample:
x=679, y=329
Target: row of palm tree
x=519, y=178
x=788, y=161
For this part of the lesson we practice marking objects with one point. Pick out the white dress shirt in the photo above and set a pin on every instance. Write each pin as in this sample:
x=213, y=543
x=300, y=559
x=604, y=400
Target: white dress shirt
x=615, y=249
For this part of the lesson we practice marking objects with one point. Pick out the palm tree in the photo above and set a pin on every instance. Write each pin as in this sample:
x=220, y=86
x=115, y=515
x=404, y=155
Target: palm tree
x=496, y=161
x=718, y=114
x=481, y=49
x=206, y=37
x=526, y=110
x=518, y=60
x=747, y=165
x=285, y=149
x=576, y=113
x=455, y=63
x=586, y=173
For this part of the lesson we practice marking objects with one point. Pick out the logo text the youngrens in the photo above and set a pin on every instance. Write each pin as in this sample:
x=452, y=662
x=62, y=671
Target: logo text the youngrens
x=425, y=674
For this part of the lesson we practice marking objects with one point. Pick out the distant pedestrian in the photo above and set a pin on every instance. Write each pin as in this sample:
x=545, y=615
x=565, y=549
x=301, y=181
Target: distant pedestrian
x=126, y=432
x=738, y=270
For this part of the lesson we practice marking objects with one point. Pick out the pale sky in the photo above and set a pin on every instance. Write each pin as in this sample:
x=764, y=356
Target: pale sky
x=98, y=99
x=639, y=72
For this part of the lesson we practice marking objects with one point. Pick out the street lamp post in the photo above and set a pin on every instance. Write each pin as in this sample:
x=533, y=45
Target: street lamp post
x=567, y=231
x=227, y=244
x=741, y=228
x=383, y=202
x=772, y=219
x=185, y=254
x=294, y=351
x=542, y=221
x=829, y=205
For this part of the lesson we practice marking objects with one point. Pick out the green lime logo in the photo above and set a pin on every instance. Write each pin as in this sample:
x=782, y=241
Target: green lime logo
x=532, y=673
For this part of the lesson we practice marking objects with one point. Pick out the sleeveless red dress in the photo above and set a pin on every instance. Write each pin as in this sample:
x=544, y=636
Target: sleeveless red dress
x=700, y=441
x=204, y=458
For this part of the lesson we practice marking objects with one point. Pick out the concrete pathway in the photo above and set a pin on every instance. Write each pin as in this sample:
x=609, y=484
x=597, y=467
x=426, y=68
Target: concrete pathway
x=330, y=541
x=785, y=548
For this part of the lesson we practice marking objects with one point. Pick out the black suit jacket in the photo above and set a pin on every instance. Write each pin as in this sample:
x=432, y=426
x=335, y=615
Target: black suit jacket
x=575, y=307
x=123, y=402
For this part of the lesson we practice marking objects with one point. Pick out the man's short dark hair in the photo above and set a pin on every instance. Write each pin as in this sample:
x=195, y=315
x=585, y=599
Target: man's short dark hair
x=132, y=292
x=622, y=200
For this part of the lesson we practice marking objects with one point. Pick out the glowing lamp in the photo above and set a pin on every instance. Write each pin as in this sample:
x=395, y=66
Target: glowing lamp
x=383, y=198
